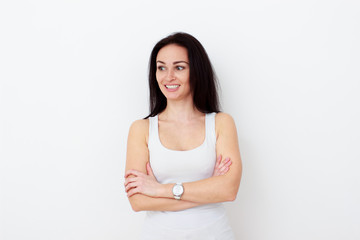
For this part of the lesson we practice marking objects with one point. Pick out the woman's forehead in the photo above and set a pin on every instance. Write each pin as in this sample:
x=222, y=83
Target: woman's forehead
x=172, y=53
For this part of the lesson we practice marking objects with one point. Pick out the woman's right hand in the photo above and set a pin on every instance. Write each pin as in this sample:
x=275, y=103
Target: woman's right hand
x=221, y=167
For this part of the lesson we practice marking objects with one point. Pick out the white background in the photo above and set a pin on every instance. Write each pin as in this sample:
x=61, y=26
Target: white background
x=74, y=76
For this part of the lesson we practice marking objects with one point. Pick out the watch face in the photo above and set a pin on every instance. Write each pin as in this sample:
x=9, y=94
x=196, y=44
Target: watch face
x=178, y=190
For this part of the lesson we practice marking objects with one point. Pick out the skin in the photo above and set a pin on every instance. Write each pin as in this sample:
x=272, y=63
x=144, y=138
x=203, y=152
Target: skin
x=181, y=127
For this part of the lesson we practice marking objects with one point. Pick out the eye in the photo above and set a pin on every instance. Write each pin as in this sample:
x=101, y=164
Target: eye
x=179, y=68
x=161, y=68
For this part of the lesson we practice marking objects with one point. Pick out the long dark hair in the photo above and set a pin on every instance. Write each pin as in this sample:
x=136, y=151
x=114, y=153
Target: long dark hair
x=203, y=83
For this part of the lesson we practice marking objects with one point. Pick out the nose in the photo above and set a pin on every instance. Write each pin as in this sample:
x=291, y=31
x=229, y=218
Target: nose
x=170, y=75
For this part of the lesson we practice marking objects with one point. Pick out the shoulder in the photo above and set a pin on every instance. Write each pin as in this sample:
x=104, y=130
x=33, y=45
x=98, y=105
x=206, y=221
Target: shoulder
x=139, y=128
x=223, y=119
x=224, y=123
x=139, y=125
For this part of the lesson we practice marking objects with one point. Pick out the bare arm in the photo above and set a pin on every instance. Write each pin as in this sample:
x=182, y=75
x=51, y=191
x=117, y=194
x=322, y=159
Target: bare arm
x=215, y=189
x=137, y=158
x=225, y=187
x=140, y=202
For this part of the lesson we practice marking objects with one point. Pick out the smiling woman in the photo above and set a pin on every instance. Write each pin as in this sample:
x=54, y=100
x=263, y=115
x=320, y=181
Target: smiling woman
x=175, y=169
x=173, y=72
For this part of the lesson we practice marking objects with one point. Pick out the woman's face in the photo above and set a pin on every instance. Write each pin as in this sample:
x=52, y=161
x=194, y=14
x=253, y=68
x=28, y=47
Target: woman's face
x=173, y=72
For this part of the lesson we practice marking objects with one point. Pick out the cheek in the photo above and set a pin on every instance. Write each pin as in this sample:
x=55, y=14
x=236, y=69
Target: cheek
x=187, y=80
x=159, y=76
x=158, y=80
x=186, y=76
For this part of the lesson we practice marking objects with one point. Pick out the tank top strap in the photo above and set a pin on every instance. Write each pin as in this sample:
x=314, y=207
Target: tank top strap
x=153, y=131
x=210, y=127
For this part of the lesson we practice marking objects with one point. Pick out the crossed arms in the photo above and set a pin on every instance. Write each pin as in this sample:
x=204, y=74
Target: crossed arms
x=145, y=193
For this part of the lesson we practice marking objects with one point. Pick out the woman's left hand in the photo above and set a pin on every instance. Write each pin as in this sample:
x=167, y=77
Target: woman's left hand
x=221, y=166
x=142, y=183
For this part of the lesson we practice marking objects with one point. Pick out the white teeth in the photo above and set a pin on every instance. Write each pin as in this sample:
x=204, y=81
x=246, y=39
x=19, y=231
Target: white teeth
x=172, y=86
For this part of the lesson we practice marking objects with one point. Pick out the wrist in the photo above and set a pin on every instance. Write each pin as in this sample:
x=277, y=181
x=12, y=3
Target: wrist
x=166, y=190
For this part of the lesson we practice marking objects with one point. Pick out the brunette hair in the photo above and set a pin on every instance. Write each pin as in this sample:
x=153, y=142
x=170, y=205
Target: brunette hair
x=203, y=83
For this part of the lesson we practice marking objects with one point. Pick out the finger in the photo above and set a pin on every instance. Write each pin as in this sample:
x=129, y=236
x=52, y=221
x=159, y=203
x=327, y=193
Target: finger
x=132, y=172
x=218, y=161
x=223, y=163
x=130, y=179
x=130, y=186
x=132, y=192
x=227, y=162
x=225, y=168
x=216, y=168
x=149, y=169
x=223, y=171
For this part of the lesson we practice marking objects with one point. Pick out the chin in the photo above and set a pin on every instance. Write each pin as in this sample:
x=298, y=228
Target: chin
x=172, y=97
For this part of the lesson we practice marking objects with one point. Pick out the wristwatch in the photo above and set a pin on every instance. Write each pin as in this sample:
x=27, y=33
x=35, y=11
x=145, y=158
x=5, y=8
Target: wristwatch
x=178, y=190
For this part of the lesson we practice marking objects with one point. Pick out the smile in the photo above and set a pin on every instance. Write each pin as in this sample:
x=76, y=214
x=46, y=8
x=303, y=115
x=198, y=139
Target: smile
x=172, y=86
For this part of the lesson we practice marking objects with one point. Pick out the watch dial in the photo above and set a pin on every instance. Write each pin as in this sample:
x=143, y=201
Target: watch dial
x=178, y=190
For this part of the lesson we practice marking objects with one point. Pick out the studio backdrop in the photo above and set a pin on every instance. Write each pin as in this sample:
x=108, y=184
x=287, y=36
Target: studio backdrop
x=73, y=77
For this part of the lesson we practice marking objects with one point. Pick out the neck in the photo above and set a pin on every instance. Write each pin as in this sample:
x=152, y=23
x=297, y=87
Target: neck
x=184, y=110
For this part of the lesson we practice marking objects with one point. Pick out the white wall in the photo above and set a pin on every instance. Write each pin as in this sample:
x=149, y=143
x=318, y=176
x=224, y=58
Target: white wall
x=74, y=76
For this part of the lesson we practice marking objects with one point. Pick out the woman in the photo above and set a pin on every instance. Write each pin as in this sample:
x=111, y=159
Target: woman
x=172, y=171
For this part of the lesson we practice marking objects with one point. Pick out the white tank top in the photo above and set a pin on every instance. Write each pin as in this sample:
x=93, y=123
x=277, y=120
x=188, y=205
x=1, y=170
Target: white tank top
x=171, y=166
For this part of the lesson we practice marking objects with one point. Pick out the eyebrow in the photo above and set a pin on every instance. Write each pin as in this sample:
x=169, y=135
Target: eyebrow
x=176, y=62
